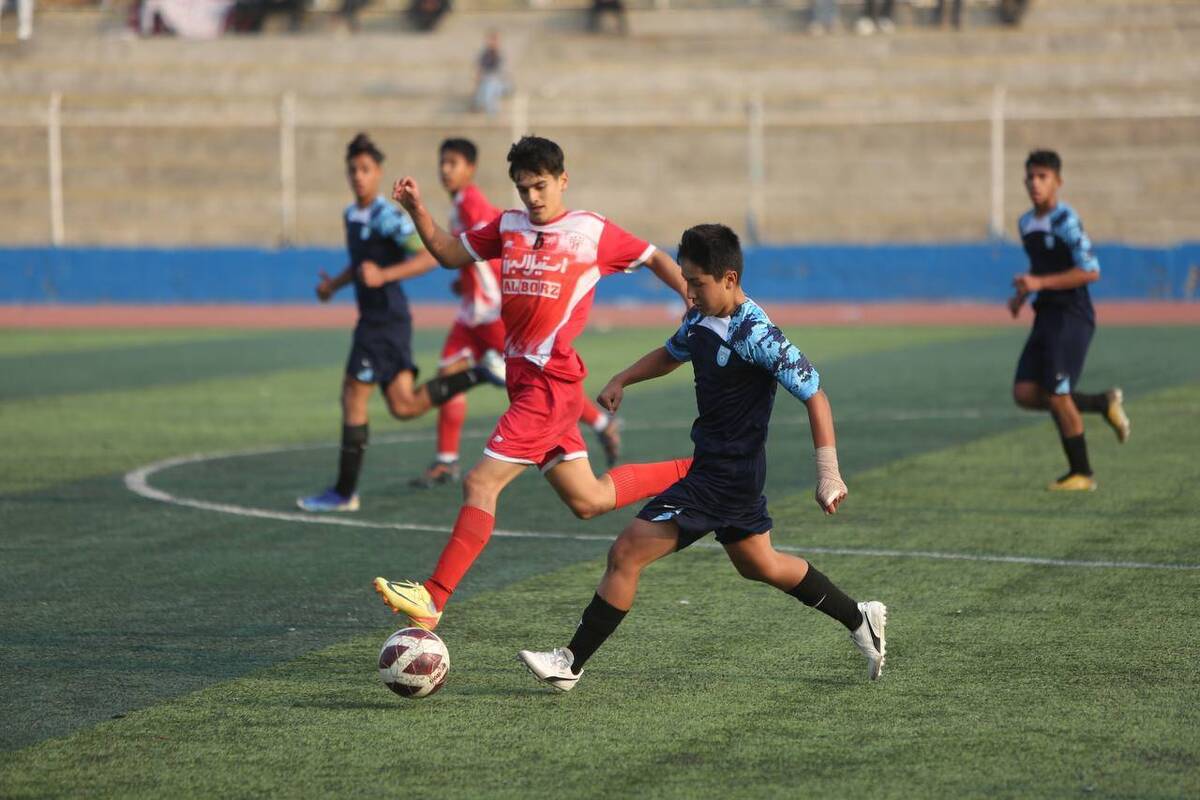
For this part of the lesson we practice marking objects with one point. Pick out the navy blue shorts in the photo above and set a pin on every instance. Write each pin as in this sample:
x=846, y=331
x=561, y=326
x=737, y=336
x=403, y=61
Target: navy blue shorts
x=1055, y=351
x=690, y=505
x=381, y=350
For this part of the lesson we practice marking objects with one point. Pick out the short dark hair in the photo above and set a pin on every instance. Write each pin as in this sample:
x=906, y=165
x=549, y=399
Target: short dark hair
x=361, y=144
x=1044, y=158
x=535, y=155
x=713, y=248
x=464, y=147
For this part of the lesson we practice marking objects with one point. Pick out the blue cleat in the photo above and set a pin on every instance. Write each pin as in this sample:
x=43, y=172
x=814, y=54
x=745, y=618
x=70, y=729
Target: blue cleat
x=328, y=500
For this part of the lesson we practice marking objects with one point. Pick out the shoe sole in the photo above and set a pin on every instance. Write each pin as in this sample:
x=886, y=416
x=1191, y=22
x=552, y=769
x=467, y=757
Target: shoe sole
x=540, y=679
x=350, y=508
x=421, y=622
x=881, y=617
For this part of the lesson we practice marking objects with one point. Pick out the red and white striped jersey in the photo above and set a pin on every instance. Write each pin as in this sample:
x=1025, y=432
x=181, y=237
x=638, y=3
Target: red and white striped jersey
x=480, y=281
x=548, y=278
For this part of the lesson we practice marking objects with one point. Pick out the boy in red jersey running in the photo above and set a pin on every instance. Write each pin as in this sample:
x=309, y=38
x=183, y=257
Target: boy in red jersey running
x=552, y=260
x=478, y=330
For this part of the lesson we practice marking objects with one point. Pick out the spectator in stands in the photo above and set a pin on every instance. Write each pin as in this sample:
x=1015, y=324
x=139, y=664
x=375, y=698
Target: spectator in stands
x=606, y=8
x=1011, y=11
x=490, y=84
x=877, y=16
x=823, y=17
x=424, y=15
x=24, y=18
x=939, y=15
x=349, y=12
x=249, y=16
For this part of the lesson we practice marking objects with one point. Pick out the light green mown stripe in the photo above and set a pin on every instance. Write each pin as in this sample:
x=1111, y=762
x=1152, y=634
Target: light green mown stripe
x=1003, y=680
x=41, y=342
x=77, y=436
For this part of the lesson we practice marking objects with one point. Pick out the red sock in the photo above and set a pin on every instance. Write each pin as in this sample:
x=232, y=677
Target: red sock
x=635, y=482
x=472, y=530
x=451, y=416
x=590, y=413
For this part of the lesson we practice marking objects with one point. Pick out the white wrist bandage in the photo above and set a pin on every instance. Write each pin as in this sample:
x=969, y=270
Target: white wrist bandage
x=829, y=479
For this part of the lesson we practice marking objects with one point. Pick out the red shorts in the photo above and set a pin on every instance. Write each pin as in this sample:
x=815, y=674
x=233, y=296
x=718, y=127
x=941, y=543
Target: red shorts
x=541, y=426
x=467, y=342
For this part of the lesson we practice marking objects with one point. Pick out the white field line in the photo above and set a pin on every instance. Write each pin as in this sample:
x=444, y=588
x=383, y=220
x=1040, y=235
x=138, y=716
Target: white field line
x=138, y=482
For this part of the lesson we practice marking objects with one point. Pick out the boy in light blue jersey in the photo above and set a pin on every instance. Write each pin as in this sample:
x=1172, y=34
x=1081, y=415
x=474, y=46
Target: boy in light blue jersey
x=738, y=357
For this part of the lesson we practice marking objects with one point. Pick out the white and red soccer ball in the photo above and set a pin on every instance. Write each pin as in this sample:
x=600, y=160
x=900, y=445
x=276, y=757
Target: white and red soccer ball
x=414, y=662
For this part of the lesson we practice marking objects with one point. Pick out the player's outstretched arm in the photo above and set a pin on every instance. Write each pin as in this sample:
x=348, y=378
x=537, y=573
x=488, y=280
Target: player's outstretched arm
x=446, y=249
x=375, y=276
x=667, y=271
x=831, y=489
x=654, y=364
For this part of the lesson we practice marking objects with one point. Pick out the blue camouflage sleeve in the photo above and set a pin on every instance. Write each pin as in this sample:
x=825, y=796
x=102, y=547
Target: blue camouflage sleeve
x=1070, y=230
x=677, y=345
x=759, y=341
x=397, y=226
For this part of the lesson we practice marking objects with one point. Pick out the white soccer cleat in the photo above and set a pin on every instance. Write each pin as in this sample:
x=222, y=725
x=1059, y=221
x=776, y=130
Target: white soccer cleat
x=869, y=638
x=492, y=367
x=553, y=668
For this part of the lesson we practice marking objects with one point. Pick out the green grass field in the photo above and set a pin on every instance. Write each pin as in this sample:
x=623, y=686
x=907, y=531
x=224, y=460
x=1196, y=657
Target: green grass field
x=151, y=649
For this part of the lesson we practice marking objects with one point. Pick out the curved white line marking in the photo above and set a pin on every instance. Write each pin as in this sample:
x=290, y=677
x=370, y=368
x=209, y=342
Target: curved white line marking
x=138, y=482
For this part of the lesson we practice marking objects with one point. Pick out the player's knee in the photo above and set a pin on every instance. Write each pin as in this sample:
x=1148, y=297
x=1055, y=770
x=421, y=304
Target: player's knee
x=403, y=409
x=585, y=507
x=623, y=555
x=478, y=491
x=1027, y=396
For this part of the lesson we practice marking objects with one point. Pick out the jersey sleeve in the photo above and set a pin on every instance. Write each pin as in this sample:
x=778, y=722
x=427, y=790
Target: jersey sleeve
x=397, y=226
x=484, y=243
x=1070, y=230
x=759, y=341
x=677, y=346
x=620, y=251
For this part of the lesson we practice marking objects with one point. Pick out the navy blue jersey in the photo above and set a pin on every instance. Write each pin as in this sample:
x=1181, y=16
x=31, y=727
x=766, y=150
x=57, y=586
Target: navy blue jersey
x=384, y=234
x=1056, y=243
x=738, y=360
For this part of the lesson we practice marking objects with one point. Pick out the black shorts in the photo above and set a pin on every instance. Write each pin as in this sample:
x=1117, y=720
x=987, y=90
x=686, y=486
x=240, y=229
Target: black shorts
x=689, y=504
x=380, y=351
x=1055, y=351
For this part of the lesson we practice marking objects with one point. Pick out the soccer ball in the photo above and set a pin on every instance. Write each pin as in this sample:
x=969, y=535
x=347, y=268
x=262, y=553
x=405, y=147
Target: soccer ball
x=414, y=662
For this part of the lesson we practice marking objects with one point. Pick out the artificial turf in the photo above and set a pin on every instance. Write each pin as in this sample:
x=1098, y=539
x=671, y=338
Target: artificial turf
x=150, y=648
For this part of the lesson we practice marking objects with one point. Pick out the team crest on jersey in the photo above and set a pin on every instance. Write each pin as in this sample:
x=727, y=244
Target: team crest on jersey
x=723, y=356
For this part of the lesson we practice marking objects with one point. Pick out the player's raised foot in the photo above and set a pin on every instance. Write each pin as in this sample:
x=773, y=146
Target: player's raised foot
x=869, y=638
x=1073, y=482
x=610, y=440
x=439, y=473
x=411, y=599
x=491, y=368
x=328, y=500
x=552, y=668
x=1116, y=415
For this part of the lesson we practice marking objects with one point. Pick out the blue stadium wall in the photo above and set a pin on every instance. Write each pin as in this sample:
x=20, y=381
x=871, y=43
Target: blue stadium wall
x=833, y=273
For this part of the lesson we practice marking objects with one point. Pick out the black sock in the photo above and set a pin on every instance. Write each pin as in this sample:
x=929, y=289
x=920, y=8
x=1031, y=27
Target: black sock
x=599, y=621
x=354, y=447
x=443, y=387
x=1076, y=449
x=1090, y=403
x=817, y=591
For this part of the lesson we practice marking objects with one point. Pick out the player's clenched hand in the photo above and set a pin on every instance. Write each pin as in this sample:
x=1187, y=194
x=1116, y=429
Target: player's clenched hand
x=407, y=193
x=1026, y=283
x=831, y=490
x=1014, y=304
x=325, y=287
x=610, y=397
x=372, y=275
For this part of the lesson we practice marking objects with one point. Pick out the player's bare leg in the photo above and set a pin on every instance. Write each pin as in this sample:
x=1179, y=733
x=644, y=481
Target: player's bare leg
x=403, y=400
x=756, y=559
x=422, y=603
x=589, y=496
x=1030, y=396
x=639, y=545
x=452, y=413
